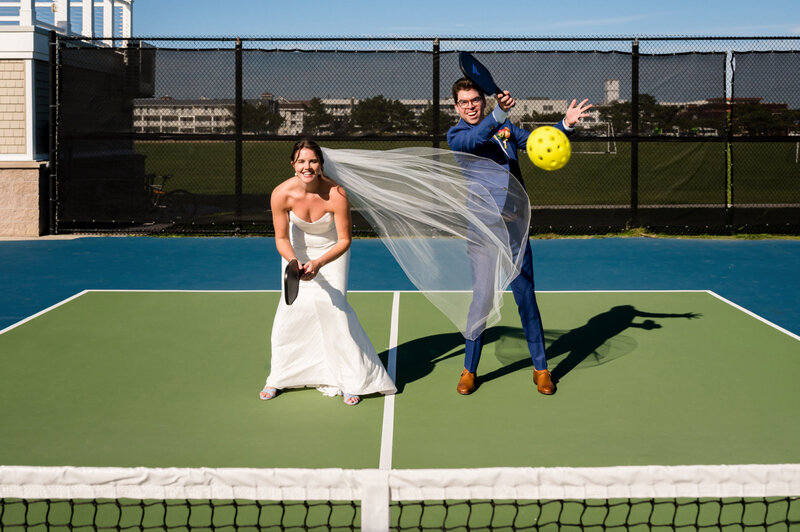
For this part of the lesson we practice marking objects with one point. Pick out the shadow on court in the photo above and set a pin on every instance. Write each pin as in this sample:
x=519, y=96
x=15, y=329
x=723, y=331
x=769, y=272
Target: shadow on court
x=417, y=358
x=586, y=341
x=597, y=342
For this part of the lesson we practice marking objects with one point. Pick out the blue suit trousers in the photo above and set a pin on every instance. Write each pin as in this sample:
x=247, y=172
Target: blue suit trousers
x=523, y=289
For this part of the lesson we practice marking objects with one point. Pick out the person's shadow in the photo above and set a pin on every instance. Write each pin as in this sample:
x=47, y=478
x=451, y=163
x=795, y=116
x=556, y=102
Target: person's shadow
x=586, y=340
x=417, y=358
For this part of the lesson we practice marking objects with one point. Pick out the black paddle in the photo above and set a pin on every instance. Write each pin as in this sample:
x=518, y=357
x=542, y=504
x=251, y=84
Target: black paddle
x=477, y=73
x=291, y=281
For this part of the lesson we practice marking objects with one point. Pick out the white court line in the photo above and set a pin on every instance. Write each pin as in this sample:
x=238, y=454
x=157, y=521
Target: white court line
x=178, y=291
x=199, y=291
x=754, y=315
x=619, y=291
x=41, y=312
x=387, y=432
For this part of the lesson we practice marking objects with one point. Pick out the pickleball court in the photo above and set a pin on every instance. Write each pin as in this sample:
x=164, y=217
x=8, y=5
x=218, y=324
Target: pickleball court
x=169, y=378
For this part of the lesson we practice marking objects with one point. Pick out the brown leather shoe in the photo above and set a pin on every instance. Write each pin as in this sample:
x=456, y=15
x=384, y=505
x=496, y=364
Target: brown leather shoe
x=543, y=382
x=466, y=385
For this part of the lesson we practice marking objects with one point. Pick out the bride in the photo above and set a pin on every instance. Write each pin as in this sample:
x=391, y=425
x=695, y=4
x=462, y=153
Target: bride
x=318, y=340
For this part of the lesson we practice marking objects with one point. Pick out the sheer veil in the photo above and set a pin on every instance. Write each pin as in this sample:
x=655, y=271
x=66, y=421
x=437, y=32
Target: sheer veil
x=456, y=223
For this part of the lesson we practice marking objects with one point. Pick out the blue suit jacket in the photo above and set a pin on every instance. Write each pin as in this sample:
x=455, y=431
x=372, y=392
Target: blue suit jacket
x=481, y=140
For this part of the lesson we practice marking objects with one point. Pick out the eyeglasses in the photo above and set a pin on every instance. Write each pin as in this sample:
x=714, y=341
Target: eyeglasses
x=465, y=103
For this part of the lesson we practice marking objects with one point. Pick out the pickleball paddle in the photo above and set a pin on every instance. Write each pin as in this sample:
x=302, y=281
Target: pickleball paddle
x=291, y=281
x=477, y=73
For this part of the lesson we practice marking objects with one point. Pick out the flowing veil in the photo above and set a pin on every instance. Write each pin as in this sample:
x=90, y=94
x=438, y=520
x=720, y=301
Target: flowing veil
x=456, y=223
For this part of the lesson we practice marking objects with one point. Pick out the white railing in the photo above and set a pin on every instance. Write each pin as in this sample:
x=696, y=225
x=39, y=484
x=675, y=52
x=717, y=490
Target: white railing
x=116, y=16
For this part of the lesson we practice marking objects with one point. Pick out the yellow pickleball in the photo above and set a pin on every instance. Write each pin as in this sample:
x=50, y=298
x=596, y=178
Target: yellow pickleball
x=548, y=148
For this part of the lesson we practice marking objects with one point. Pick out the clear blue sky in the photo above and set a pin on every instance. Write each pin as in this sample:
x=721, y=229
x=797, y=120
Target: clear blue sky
x=465, y=18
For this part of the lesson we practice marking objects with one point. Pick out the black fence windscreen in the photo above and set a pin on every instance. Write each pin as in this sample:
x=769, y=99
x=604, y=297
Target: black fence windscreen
x=686, y=135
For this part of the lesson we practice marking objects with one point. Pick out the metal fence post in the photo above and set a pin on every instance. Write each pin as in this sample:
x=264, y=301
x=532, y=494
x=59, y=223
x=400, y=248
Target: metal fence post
x=435, y=107
x=635, y=133
x=238, y=119
x=52, y=117
x=729, y=150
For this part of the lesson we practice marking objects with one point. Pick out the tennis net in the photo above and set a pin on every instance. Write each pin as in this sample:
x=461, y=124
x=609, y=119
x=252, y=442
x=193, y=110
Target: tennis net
x=740, y=497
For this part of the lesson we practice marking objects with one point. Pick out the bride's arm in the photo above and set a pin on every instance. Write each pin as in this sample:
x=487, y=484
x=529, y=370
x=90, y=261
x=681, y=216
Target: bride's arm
x=280, y=221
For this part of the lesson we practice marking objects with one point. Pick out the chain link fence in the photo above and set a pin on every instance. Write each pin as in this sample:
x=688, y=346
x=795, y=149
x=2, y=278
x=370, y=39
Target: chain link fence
x=686, y=136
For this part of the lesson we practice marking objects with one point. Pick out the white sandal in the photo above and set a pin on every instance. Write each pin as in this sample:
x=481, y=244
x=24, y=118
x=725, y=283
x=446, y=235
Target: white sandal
x=349, y=397
x=268, y=393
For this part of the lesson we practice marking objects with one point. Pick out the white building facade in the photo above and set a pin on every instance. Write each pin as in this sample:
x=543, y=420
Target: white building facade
x=24, y=87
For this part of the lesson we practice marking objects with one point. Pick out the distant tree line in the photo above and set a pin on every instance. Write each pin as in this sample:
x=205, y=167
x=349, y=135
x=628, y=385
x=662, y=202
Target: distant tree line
x=377, y=115
x=258, y=118
x=745, y=118
x=383, y=116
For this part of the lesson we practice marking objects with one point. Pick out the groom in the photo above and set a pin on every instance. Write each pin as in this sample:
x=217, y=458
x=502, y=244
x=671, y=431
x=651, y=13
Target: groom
x=495, y=138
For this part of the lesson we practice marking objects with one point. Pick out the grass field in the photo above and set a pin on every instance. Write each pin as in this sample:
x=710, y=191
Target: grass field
x=669, y=173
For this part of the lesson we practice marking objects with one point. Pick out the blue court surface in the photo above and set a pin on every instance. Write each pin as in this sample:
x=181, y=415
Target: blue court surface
x=759, y=275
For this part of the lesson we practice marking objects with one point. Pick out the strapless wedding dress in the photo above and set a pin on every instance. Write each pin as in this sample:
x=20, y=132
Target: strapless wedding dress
x=318, y=340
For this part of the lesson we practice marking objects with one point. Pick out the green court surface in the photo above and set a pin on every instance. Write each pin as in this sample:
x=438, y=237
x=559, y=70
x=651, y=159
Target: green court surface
x=717, y=389
x=165, y=379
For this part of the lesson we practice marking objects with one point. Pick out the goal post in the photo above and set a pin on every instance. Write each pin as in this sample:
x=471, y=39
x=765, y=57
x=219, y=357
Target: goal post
x=605, y=143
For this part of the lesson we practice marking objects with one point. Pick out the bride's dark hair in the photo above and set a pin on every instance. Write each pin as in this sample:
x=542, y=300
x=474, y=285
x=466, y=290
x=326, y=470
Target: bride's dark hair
x=311, y=145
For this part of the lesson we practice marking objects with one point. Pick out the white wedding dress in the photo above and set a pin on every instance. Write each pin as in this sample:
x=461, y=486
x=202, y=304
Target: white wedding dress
x=318, y=340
